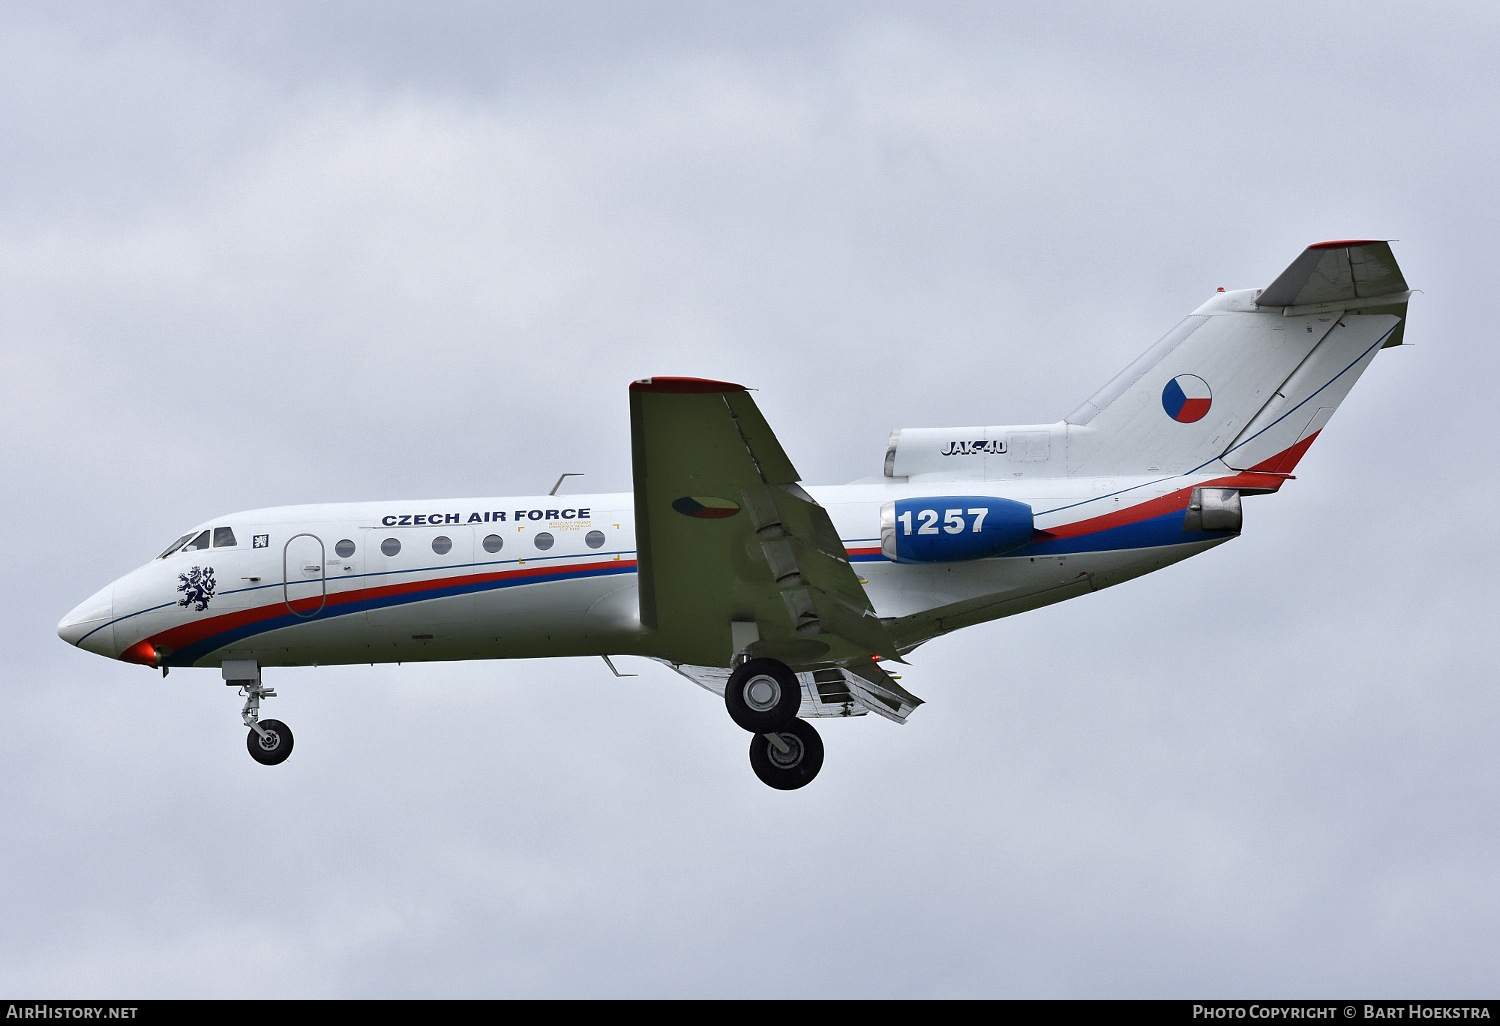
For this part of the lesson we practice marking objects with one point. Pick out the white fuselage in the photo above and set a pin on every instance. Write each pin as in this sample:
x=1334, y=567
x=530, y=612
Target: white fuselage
x=423, y=580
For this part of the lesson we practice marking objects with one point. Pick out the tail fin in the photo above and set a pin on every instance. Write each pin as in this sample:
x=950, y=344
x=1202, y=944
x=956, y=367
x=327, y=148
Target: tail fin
x=1250, y=376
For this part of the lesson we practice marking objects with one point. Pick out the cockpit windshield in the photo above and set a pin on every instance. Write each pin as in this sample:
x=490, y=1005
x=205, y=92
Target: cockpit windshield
x=223, y=537
x=175, y=545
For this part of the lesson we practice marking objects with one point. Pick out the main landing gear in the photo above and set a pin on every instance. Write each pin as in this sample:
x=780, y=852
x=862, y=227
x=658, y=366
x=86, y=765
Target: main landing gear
x=764, y=696
x=788, y=758
x=269, y=741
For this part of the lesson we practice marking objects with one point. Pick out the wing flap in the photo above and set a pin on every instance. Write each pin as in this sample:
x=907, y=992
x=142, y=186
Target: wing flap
x=878, y=692
x=839, y=601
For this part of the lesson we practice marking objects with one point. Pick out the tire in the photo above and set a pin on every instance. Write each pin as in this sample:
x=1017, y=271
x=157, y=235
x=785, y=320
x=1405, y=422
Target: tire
x=278, y=752
x=763, y=695
x=790, y=770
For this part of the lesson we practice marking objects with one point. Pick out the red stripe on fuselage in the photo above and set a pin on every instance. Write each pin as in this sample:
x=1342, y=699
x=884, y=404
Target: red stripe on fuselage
x=1169, y=503
x=190, y=633
x=1260, y=478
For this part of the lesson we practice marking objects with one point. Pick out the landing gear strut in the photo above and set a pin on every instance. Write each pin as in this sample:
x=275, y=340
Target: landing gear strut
x=269, y=741
x=788, y=758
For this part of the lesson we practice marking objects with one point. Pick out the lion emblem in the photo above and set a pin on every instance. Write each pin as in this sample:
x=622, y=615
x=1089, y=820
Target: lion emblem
x=198, y=586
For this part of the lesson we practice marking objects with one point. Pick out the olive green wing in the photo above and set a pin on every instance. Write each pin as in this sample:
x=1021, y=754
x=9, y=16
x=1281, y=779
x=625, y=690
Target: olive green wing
x=732, y=554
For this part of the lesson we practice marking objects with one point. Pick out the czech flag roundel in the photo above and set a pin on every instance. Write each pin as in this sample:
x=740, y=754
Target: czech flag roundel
x=1186, y=398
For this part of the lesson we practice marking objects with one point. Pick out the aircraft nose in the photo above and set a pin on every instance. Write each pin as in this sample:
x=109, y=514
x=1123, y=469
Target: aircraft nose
x=86, y=619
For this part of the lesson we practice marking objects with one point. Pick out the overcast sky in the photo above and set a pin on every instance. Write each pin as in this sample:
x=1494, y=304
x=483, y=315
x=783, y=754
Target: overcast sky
x=263, y=253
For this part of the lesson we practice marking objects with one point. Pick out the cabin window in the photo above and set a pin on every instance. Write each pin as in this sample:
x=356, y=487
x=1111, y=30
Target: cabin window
x=390, y=546
x=223, y=537
x=441, y=544
x=493, y=542
x=543, y=541
x=344, y=549
x=200, y=542
x=594, y=539
x=175, y=545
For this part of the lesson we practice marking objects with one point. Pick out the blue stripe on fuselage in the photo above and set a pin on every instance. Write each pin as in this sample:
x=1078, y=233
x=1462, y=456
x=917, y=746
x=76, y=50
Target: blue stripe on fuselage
x=1165, y=529
x=189, y=654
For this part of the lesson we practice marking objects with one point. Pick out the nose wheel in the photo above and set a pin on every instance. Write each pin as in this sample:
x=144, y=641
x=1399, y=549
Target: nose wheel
x=271, y=744
x=269, y=741
x=788, y=758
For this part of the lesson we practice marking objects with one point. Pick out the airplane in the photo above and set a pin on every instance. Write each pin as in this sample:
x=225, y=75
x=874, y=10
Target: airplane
x=789, y=601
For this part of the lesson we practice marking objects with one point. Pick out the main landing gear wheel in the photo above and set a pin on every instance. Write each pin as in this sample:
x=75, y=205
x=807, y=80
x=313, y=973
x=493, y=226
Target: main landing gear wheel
x=274, y=747
x=763, y=695
x=793, y=762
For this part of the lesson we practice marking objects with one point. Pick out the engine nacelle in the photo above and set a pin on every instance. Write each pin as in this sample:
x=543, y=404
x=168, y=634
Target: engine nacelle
x=952, y=528
x=1213, y=509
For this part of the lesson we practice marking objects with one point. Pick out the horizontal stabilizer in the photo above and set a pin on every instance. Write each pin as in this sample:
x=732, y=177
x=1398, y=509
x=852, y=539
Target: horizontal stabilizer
x=1337, y=272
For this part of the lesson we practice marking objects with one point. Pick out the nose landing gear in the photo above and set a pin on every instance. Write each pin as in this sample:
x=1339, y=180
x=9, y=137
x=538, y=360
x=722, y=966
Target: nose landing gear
x=269, y=741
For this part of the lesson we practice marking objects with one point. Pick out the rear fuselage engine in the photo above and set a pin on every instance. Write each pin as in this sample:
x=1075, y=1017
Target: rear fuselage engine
x=952, y=528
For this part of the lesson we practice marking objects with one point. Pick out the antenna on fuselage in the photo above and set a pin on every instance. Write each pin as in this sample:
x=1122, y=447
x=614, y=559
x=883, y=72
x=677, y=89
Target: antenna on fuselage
x=560, y=481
